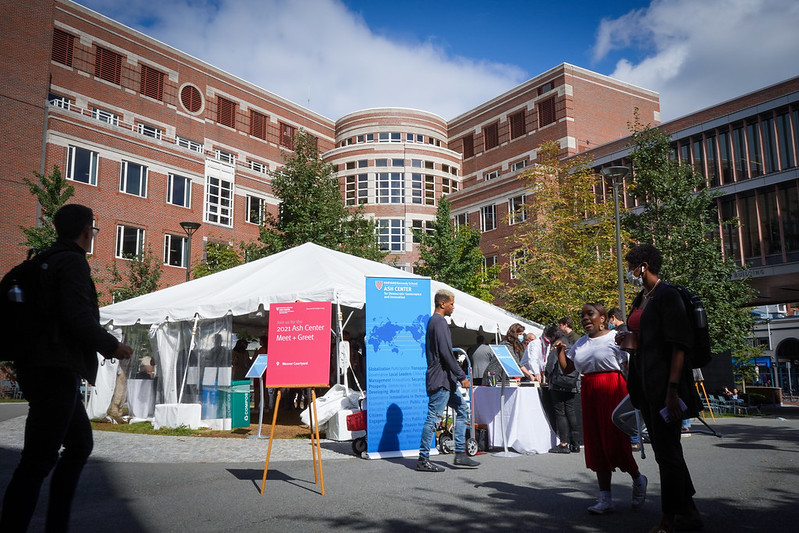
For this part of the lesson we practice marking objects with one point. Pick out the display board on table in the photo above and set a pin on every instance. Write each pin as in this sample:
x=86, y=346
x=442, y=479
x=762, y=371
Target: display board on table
x=397, y=312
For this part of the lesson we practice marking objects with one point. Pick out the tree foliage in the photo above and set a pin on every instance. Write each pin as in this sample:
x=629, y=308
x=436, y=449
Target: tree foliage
x=141, y=275
x=453, y=256
x=52, y=192
x=566, y=243
x=218, y=257
x=312, y=209
x=679, y=217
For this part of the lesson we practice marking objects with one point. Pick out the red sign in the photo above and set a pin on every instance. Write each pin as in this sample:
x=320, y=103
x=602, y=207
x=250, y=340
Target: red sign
x=299, y=345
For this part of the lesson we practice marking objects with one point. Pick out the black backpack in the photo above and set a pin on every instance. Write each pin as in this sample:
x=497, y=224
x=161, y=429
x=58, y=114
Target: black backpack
x=699, y=354
x=26, y=310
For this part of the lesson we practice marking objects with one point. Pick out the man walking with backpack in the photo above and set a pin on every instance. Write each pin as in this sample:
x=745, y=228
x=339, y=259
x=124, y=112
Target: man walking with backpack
x=50, y=372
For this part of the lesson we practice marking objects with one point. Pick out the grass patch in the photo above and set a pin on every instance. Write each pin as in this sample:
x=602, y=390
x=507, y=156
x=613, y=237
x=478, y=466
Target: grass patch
x=12, y=400
x=145, y=428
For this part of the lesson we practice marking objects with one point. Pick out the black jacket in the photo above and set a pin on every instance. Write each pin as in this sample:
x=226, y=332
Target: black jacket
x=664, y=323
x=443, y=370
x=72, y=334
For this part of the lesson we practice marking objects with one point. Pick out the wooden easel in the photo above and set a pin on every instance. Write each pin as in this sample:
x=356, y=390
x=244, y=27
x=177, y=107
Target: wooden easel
x=316, y=447
x=701, y=383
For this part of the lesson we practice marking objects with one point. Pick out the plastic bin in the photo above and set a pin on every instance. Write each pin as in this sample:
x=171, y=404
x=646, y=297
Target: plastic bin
x=240, y=403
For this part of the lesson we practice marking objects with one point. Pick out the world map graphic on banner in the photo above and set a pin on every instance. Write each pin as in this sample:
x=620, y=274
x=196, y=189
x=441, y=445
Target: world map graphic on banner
x=388, y=335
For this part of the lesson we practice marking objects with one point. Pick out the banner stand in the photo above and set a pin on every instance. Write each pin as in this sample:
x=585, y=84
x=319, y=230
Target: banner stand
x=316, y=445
x=510, y=369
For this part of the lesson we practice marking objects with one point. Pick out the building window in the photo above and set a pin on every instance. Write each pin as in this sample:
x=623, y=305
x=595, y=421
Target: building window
x=391, y=235
x=191, y=98
x=257, y=166
x=287, y=134
x=489, y=262
x=152, y=83
x=149, y=131
x=546, y=112
x=133, y=179
x=194, y=146
x=516, y=210
x=105, y=116
x=381, y=162
x=63, y=43
x=448, y=186
x=257, y=124
x=256, y=207
x=517, y=125
x=130, y=242
x=517, y=260
x=491, y=136
x=468, y=146
x=175, y=250
x=461, y=220
x=225, y=157
x=108, y=65
x=178, y=190
x=226, y=112
x=545, y=88
x=518, y=165
x=422, y=225
x=784, y=141
x=82, y=165
x=357, y=189
x=218, y=201
x=491, y=175
x=390, y=188
x=488, y=218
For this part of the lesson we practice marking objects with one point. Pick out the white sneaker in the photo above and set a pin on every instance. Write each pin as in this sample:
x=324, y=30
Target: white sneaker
x=602, y=507
x=639, y=492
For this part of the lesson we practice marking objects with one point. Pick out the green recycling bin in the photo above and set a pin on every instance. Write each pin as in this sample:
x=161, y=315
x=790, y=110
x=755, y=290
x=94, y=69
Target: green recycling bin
x=240, y=404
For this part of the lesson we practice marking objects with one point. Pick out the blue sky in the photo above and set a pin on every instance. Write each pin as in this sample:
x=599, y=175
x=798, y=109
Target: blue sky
x=336, y=57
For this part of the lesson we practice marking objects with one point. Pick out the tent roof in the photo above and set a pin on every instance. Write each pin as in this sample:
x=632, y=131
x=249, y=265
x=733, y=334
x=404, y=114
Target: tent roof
x=308, y=272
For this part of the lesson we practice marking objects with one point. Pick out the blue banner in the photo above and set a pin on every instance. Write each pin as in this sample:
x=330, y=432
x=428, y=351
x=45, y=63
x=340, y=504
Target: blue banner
x=397, y=311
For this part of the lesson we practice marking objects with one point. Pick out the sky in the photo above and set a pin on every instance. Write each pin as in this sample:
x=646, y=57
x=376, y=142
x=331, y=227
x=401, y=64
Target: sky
x=448, y=56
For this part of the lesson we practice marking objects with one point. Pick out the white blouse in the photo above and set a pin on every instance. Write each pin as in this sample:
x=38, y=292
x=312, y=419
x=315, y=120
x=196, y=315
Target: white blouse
x=598, y=354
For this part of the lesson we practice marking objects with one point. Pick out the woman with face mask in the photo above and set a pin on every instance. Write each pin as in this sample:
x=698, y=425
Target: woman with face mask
x=515, y=341
x=661, y=380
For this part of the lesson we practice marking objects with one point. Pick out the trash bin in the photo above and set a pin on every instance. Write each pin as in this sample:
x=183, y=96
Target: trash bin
x=240, y=403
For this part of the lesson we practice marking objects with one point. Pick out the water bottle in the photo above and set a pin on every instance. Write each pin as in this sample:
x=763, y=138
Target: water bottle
x=700, y=316
x=15, y=293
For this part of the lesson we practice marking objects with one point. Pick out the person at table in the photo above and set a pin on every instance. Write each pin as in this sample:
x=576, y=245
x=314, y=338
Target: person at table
x=241, y=360
x=597, y=356
x=515, y=341
x=563, y=397
x=660, y=377
x=535, y=358
x=480, y=358
x=442, y=378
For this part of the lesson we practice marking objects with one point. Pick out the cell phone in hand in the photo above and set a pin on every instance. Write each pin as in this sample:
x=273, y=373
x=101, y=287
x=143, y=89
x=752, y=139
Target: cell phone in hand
x=664, y=413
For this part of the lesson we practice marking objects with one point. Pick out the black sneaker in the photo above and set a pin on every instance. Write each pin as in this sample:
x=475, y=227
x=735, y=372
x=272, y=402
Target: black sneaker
x=424, y=465
x=559, y=449
x=462, y=459
x=574, y=448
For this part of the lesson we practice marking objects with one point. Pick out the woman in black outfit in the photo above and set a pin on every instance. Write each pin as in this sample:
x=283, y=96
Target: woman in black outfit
x=660, y=376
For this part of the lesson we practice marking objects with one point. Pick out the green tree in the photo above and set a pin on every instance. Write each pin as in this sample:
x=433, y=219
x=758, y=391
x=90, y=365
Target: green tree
x=142, y=275
x=218, y=257
x=312, y=209
x=453, y=256
x=679, y=217
x=566, y=243
x=744, y=362
x=52, y=192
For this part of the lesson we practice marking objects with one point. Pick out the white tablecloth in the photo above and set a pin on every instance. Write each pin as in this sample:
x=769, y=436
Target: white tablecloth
x=173, y=415
x=141, y=397
x=526, y=425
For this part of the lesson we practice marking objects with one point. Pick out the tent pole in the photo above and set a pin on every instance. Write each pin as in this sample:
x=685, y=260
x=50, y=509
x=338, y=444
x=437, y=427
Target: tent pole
x=188, y=356
x=341, y=377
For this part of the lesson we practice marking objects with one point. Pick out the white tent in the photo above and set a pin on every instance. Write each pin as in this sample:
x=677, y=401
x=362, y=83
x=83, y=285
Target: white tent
x=307, y=273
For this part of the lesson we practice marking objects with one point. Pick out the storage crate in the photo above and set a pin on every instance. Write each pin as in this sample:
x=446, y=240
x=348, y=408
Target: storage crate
x=356, y=421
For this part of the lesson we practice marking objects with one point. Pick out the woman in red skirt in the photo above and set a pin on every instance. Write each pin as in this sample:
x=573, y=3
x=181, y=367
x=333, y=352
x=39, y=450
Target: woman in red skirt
x=598, y=357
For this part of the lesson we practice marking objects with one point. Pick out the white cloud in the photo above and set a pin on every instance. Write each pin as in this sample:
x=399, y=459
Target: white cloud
x=318, y=50
x=701, y=53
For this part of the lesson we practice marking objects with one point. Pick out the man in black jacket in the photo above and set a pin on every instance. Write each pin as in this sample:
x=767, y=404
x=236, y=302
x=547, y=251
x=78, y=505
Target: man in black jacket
x=50, y=375
x=443, y=376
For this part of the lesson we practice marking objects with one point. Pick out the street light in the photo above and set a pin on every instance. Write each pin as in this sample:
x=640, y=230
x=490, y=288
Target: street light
x=617, y=174
x=189, y=228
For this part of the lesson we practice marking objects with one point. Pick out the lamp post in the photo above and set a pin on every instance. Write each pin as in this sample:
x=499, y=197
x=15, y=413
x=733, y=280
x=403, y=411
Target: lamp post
x=189, y=228
x=617, y=174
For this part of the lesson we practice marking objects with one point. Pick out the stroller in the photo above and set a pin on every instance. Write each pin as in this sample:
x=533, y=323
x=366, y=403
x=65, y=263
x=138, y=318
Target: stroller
x=446, y=426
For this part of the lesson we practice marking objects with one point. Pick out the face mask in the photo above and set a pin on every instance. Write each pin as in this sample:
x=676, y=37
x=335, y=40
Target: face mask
x=635, y=281
x=521, y=338
x=611, y=326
